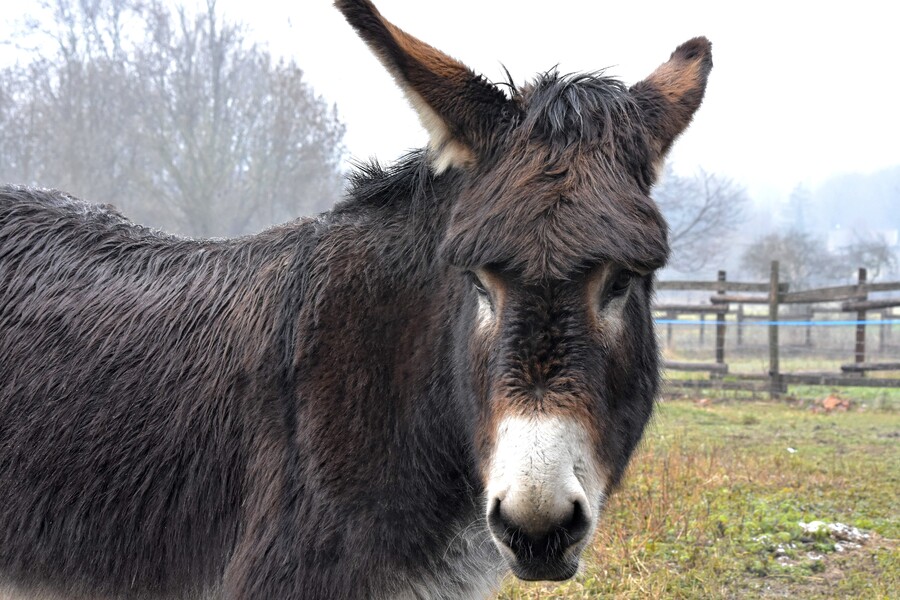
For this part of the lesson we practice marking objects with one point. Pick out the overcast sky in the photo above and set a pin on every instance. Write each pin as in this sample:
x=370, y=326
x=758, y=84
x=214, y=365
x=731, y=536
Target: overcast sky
x=799, y=91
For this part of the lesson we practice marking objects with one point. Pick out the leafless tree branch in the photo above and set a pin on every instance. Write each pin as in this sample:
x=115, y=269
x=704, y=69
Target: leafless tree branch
x=172, y=115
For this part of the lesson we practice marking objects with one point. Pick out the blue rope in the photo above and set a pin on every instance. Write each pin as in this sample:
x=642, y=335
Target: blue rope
x=778, y=323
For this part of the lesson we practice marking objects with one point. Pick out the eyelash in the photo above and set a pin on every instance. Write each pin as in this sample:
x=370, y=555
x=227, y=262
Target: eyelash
x=621, y=283
x=476, y=283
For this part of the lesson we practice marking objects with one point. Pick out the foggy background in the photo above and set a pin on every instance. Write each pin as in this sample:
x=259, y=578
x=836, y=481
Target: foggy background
x=220, y=119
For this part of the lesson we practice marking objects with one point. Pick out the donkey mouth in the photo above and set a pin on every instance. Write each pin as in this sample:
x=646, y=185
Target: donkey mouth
x=552, y=556
x=544, y=570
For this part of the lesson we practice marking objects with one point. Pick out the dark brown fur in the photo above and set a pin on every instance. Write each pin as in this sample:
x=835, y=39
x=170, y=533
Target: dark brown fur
x=305, y=413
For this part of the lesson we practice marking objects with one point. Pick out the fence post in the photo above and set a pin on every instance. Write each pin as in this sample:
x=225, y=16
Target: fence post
x=670, y=316
x=882, y=331
x=888, y=329
x=861, y=327
x=740, y=325
x=774, y=376
x=809, y=318
x=702, y=327
x=720, y=323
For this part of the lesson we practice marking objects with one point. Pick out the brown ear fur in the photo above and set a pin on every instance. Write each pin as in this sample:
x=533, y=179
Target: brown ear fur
x=673, y=92
x=458, y=108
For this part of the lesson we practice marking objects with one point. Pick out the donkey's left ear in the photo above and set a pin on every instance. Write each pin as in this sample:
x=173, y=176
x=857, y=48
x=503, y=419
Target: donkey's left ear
x=460, y=110
x=673, y=92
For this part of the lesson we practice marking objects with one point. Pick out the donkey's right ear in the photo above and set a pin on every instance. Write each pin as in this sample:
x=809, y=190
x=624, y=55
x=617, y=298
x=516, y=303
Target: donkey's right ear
x=673, y=92
x=460, y=110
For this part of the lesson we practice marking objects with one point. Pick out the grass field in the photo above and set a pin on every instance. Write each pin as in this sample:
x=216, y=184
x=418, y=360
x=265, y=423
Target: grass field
x=713, y=502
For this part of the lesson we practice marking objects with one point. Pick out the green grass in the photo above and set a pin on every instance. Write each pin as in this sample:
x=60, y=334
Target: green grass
x=865, y=398
x=759, y=364
x=712, y=503
x=804, y=396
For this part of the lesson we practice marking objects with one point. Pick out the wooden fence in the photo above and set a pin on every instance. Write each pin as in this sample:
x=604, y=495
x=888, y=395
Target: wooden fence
x=853, y=304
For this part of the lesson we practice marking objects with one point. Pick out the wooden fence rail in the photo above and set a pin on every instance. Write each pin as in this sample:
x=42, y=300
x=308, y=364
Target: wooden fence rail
x=852, y=298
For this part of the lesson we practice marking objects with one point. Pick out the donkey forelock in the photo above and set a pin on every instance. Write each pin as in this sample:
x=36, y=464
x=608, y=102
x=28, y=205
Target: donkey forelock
x=586, y=109
x=568, y=190
x=567, y=187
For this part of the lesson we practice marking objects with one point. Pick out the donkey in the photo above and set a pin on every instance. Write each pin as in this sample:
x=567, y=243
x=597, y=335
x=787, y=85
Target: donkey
x=437, y=382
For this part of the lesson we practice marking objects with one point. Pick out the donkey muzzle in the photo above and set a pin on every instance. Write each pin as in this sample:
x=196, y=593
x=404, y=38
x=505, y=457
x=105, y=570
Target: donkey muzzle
x=541, y=546
x=543, y=475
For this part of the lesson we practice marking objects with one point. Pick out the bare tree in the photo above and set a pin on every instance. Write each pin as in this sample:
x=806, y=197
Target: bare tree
x=75, y=103
x=874, y=253
x=804, y=259
x=702, y=212
x=173, y=116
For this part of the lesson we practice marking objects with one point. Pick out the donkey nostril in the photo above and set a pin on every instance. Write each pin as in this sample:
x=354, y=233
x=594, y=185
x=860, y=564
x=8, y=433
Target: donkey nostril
x=502, y=528
x=551, y=539
x=577, y=525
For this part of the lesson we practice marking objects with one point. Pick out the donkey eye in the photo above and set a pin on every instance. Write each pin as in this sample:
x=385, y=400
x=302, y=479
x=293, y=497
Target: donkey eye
x=476, y=283
x=620, y=284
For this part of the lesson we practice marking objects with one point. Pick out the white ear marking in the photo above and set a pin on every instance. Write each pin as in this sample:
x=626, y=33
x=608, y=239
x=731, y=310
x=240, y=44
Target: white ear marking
x=445, y=151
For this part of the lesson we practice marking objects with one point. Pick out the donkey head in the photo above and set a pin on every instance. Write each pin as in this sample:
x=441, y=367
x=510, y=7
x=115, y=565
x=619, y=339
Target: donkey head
x=554, y=240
